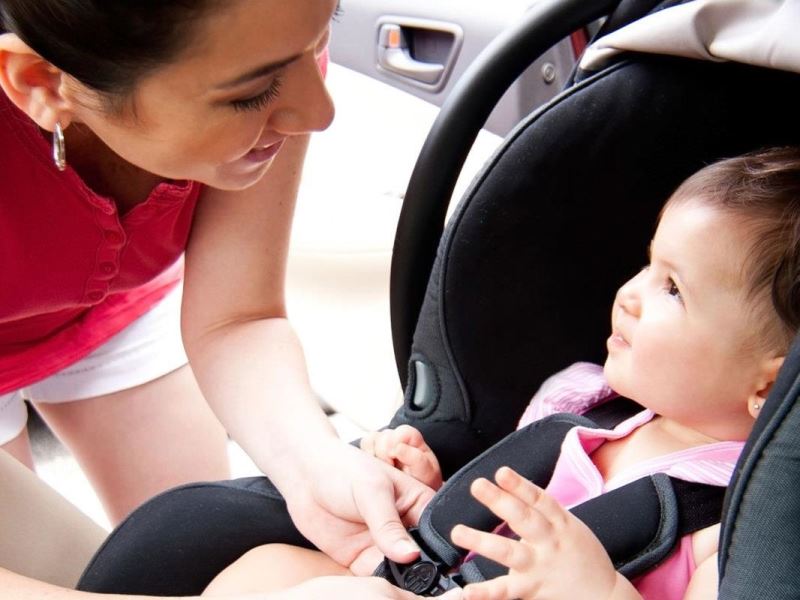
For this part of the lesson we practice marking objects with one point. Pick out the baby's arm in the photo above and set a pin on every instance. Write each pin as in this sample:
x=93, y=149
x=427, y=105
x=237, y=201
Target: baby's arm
x=556, y=557
x=271, y=568
x=705, y=579
x=292, y=573
x=405, y=449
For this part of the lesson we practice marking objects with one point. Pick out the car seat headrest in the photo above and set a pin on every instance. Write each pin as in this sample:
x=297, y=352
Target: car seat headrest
x=754, y=33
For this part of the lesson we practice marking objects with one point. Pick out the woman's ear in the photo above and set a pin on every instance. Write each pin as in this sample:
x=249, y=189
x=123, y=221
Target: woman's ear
x=769, y=373
x=34, y=85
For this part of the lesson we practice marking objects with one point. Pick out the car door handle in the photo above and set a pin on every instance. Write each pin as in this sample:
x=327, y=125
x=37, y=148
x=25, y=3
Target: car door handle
x=394, y=56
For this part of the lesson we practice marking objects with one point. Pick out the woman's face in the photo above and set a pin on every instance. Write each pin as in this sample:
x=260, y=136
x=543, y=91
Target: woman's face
x=220, y=111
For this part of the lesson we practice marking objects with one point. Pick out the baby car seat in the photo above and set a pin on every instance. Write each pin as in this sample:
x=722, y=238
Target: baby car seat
x=520, y=284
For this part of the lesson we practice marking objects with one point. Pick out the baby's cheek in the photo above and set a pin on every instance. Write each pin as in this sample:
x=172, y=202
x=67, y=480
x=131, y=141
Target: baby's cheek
x=615, y=375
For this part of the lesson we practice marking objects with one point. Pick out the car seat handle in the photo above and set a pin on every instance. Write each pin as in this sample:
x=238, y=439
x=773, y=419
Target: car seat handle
x=448, y=143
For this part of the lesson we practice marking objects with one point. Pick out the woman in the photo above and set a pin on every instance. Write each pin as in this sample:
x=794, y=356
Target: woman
x=180, y=120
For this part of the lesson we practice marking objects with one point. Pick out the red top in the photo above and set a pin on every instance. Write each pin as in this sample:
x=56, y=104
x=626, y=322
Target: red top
x=72, y=271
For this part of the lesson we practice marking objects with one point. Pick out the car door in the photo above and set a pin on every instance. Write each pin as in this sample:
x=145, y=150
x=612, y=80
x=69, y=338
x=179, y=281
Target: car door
x=423, y=46
x=393, y=62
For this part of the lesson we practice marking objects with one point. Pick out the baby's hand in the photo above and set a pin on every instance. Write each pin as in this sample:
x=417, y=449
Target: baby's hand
x=556, y=557
x=404, y=449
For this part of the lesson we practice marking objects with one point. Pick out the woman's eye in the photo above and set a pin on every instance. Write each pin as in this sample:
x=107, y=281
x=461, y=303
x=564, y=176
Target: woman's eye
x=261, y=100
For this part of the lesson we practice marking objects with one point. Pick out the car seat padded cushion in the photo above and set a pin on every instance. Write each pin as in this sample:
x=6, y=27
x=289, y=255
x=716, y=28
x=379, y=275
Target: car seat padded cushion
x=174, y=544
x=529, y=264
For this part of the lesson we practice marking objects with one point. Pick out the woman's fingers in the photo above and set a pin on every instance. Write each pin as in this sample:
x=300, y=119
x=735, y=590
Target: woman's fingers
x=372, y=444
x=413, y=461
x=409, y=455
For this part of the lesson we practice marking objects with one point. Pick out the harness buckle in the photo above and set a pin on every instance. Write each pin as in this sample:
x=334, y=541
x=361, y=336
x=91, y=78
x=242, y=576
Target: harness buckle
x=425, y=576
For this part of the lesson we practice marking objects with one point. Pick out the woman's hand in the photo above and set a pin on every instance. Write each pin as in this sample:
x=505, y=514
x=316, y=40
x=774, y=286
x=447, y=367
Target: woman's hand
x=355, y=508
x=404, y=448
x=557, y=557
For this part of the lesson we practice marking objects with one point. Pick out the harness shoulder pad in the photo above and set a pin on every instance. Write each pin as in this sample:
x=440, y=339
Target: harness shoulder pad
x=532, y=451
x=639, y=524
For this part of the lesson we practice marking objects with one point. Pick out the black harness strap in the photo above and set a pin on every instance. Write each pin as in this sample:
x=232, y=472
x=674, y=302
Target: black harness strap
x=656, y=512
x=639, y=524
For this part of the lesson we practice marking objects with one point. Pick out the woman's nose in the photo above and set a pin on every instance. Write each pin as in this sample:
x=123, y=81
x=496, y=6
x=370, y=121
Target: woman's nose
x=307, y=106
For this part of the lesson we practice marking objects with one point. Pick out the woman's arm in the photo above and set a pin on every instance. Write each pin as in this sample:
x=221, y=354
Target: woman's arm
x=251, y=368
x=17, y=587
x=245, y=353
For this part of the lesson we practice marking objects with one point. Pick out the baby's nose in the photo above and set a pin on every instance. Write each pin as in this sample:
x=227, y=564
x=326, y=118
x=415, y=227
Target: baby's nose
x=628, y=299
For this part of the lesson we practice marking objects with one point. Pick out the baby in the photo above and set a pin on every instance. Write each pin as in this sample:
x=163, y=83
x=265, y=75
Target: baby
x=697, y=338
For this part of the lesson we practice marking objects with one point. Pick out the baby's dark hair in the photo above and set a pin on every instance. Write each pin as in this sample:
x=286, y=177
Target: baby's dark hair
x=107, y=45
x=763, y=189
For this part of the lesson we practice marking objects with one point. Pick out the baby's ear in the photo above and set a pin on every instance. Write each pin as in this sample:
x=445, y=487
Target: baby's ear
x=767, y=377
x=33, y=84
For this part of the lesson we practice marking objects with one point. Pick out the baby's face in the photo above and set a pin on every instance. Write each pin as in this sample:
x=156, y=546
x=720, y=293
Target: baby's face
x=681, y=341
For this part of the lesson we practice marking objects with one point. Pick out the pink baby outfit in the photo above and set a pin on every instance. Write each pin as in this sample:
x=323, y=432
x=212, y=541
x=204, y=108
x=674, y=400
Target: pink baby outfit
x=576, y=479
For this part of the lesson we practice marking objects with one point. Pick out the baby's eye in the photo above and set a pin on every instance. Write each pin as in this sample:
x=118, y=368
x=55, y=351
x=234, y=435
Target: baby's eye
x=672, y=288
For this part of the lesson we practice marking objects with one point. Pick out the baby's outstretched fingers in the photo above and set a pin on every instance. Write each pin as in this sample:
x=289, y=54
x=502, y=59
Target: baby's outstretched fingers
x=506, y=551
x=531, y=494
x=514, y=483
x=522, y=515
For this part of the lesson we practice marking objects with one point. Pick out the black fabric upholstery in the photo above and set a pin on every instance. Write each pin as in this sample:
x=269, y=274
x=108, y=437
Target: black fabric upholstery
x=759, y=549
x=529, y=264
x=177, y=542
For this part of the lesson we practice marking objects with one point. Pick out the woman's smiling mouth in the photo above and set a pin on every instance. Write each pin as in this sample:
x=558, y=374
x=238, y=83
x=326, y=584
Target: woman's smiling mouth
x=263, y=153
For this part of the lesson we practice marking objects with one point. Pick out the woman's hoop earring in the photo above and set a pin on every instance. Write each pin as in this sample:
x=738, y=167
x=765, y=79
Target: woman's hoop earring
x=59, y=148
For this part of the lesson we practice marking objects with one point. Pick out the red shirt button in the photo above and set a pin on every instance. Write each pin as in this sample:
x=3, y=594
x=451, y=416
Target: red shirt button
x=107, y=268
x=95, y=296
x=113, y=237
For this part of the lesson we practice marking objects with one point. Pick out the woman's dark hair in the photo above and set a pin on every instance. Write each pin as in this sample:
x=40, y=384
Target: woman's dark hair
x=107, y=45
x=762, y=190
